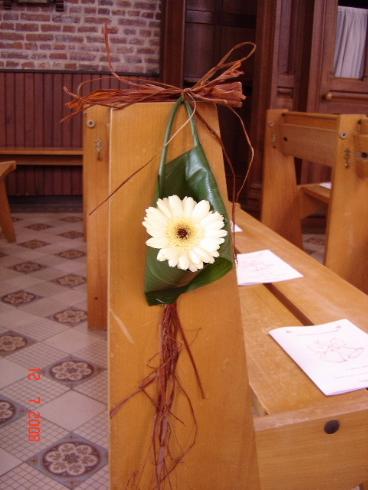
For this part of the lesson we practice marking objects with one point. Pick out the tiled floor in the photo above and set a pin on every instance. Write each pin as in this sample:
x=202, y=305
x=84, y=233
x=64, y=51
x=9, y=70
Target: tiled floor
x=314, y=245
x=53, y=370
x=53, y=377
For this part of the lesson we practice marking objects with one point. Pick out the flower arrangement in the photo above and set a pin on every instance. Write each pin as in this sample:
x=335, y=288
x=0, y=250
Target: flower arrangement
x=188, y=245
x=187, y=234
x=193, y=237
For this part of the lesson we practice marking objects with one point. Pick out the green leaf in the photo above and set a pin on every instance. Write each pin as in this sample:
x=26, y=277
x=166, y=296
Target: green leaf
x=187, y=175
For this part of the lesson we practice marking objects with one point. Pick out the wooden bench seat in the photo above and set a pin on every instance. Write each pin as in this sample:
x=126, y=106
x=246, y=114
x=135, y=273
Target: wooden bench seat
x=292, y=410
x=43, y=156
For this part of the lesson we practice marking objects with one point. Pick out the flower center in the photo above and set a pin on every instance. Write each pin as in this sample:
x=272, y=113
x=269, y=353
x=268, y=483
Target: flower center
x=183, y=233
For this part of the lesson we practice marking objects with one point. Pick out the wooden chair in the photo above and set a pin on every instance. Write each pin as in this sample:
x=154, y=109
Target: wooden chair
x=6, y=221
x=340, y=142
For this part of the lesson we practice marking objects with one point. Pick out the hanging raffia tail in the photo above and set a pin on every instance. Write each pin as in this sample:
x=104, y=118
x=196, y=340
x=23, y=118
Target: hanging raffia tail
x=166, y=455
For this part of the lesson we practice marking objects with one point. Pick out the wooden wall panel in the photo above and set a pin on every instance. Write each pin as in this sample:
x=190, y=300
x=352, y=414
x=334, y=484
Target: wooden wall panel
x=32, y=105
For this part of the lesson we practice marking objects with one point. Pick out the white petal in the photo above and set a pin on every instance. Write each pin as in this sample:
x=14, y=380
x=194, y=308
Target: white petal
x=183, y=262
x=173, y=262
x=194, y=268
x=162, y=255
x=213, y=220
x=175, y=206
x=188, y=205
x=157, y=242
x=155, y=230
x=215, y=233
x=172, y=253
x=154, y=213
x=203, y=254
x=201, y=210
x=163, y=206
x=210, y=244
x=195, y=258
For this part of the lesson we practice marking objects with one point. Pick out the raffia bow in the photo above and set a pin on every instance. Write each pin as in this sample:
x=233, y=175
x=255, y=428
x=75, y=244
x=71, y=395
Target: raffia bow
x=215, y=86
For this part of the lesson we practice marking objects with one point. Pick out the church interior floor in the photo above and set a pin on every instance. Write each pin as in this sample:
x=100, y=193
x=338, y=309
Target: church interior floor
x=53, y=382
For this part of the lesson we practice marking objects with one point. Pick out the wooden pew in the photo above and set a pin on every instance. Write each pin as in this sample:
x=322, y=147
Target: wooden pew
x=6, y=222
x=340, y=142
x=294, y=451
x=42, y=156
x=223, y=456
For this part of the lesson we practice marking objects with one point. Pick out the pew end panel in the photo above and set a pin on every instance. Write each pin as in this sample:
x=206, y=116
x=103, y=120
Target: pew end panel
x=6, y=222
x=341, y=143
x=224, y=455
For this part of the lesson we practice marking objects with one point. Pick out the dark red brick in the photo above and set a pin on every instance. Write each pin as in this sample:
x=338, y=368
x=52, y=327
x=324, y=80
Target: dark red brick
x=87, y=29
x=145, y=5
x=58, y=56
x=50, y=27
x=68, y=28
x=11, y=36
x=39, y=37
x=27, y=27
x=28, y=64
x=35, y=17
x=10, y=16
x=12, y=64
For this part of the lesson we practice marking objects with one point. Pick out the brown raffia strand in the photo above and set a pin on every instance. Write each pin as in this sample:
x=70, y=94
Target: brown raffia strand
x=215, y=86
x=168, y=386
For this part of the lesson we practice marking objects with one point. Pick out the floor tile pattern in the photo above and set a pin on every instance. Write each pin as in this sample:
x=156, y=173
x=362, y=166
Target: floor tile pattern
x=19, y=298
x=10, y=411
x=11, y=342
x=70, y=316
x=71, y=460
x=53, y=378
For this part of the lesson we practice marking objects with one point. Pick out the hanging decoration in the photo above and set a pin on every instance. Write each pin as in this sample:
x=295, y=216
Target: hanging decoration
x=189, y=239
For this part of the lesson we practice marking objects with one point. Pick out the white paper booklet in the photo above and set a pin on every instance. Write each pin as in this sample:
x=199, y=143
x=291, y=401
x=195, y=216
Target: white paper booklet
x=327, y=185
x=235, y=228
x=263, y=266
x=334, y=355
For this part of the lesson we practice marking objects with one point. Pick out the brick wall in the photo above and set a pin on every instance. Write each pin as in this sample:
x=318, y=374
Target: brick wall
x=34, y=37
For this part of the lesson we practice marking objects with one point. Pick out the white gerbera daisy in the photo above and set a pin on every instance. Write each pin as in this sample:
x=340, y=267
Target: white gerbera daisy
x=187, y=233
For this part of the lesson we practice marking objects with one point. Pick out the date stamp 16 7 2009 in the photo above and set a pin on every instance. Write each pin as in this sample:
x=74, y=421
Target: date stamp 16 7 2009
x=34, y=425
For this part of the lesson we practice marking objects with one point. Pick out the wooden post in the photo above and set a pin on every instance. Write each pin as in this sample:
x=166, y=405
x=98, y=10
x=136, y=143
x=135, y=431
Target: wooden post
x=223, y=456
x=280, y=204
x=347, y=230
x=96, y=188
x=6, y=222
